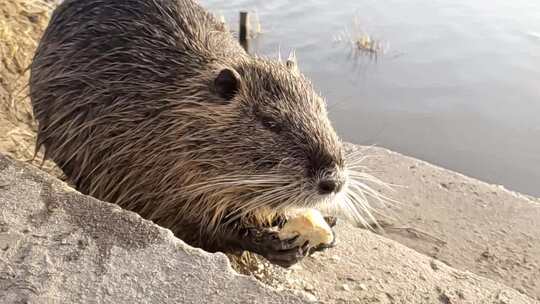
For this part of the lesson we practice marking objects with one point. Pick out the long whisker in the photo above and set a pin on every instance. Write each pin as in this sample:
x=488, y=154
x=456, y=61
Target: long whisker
x=274, y=197
x=360, y=192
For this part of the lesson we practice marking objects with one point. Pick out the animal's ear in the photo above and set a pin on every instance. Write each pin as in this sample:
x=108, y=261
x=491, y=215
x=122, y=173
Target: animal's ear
x=227, y=83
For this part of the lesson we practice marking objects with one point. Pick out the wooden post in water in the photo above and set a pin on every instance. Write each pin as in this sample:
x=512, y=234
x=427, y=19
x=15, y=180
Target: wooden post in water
x=244, y=30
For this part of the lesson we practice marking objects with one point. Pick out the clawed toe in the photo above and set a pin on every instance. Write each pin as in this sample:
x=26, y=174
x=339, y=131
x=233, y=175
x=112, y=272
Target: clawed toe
x=284, y=253
x=331, y=220
x=287, y=258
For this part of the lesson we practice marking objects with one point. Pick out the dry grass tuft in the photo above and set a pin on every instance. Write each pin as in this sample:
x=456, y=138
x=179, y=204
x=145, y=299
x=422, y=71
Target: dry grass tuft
x=22, y=23
x=361, y=42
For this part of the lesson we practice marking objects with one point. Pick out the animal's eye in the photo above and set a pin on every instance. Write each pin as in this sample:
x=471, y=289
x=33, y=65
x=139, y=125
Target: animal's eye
x=270, y=124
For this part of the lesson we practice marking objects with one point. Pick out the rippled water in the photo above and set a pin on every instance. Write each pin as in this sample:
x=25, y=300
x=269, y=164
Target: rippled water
x=459, y=85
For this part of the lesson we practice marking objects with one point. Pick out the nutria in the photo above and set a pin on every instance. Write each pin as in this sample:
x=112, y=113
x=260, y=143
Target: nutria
x=152, y=105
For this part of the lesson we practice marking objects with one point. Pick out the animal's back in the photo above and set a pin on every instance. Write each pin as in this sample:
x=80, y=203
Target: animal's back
x=121, y=61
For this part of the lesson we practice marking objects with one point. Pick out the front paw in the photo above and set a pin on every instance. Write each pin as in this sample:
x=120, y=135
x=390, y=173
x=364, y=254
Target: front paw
x=282, y=252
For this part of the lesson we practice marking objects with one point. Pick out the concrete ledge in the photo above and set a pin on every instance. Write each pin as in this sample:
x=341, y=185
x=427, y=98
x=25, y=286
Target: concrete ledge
x=469, y=224
x=58, y=246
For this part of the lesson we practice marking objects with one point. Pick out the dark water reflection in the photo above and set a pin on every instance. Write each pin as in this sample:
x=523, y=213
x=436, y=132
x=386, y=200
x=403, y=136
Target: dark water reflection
x=458, y=87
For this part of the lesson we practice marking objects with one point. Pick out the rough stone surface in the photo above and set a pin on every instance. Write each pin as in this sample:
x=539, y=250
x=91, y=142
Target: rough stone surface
x=367, y=268
x=468, y=224
x=58, y=246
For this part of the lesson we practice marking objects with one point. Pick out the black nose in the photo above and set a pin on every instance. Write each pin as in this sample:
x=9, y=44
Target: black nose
x=330, y=185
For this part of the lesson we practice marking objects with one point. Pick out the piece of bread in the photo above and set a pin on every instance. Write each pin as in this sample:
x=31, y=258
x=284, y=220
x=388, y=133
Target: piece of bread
x=309, y=226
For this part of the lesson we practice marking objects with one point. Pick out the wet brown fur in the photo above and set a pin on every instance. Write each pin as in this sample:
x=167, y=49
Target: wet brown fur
x=124, y=98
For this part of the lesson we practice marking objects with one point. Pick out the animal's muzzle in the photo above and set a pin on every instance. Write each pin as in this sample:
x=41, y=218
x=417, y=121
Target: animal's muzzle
x=331, y=182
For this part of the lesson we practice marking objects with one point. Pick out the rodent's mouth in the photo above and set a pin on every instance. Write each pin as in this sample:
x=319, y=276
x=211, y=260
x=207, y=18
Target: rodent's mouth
x=331, y=198
x=324, y=201
x=331, y=193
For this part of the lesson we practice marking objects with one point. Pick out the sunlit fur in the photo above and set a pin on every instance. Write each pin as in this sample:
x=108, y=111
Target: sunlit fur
x=122, y=91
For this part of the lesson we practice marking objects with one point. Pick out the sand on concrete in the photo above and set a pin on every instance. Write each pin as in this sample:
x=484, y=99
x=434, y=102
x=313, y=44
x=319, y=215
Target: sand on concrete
x=466, y=223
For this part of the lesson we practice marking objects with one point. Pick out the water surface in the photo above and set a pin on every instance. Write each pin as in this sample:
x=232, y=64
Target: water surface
x=458, y=87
